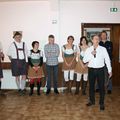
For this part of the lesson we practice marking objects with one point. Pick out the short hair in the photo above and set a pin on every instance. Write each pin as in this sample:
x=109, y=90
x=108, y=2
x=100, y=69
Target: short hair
x=17, y=33
x=51, y=36
x=103, y=32
x=81, y=39
x=34, y=42
x=70, y=37
x=95, y=36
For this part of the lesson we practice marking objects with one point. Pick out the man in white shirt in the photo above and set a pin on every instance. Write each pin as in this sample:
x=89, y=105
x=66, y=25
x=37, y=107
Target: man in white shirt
x=96, y=56
x=17, y=53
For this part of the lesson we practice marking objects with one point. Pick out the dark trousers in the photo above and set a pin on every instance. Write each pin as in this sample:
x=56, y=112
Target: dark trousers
x=108, y=81
x=52, y=72
x=93, y=74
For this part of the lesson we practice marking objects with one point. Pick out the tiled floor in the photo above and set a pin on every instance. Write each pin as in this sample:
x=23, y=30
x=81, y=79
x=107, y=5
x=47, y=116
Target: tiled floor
x=57, y=107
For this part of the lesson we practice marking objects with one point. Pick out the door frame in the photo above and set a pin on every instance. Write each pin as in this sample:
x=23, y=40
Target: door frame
x=106, y=25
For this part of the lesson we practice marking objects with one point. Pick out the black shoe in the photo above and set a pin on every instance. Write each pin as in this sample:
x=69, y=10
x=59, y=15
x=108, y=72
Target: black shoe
x=48, y=92
x=97, y=90
x=90, y=104
x=22, y=92
x=31, y=89
x=102, y=107
x=31, y=92
x=56, y=91
x=83, y=93
x=77, y=88
x=19, y=90
x=1, y=93
x=38, y=92
x=38, y=88
x=84, y=85
x=109, y=92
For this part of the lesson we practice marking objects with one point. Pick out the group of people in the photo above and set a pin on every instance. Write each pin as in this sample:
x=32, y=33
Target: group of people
x=87, y=62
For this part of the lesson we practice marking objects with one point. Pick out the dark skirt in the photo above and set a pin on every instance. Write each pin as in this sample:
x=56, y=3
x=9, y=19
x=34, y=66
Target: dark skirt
x=1, y=71
x=19, y=67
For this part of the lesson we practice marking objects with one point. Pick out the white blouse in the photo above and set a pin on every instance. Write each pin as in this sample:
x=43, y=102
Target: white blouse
x=69, y=51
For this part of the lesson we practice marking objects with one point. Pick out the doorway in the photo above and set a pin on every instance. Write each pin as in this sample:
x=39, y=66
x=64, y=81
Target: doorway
x=113, y=31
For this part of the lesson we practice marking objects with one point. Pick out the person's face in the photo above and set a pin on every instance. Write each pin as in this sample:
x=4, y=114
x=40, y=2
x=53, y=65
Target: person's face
x=51, y=40
x=18, y=38
x=36, y=46
x=70, y=41
x=95, y=40
x=103, y=36
x=84, y=41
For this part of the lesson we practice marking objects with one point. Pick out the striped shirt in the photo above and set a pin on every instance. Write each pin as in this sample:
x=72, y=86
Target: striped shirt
x=52, y=52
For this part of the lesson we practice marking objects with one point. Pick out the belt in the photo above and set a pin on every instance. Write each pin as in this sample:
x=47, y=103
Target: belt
x=96, y=68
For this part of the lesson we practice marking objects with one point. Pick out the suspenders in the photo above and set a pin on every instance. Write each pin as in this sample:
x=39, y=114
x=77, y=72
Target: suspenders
x=20, y=49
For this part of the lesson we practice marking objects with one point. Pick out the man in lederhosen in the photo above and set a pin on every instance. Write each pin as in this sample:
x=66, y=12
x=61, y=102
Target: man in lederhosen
x=17, y=53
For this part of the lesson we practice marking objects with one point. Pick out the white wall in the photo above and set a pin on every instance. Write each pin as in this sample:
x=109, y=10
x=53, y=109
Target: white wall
x=35, y=19
x=73, y=13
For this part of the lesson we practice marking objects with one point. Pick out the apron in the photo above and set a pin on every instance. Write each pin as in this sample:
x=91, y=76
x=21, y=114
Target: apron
x=79, y=68
x=69, y=58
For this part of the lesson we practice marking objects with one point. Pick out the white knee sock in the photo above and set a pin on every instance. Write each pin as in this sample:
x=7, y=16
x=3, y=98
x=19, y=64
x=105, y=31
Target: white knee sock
x=18, y=84
x=23, y=83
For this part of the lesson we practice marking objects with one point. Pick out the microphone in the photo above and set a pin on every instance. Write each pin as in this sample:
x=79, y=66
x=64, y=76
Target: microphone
x=95, y=54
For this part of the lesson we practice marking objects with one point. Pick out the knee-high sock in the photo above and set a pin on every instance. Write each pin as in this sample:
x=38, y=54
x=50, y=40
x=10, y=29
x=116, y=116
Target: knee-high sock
x=18, y=84
x=23, y=83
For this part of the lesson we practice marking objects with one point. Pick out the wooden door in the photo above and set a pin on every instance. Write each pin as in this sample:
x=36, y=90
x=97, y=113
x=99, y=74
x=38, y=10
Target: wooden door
x=116, y=55
x=115, y=38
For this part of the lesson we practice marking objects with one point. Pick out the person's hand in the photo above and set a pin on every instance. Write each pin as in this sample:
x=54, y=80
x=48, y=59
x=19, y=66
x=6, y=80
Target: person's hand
x=67, y=64
x=35, y=68
x=38, y=67
x=93, y=52
x=70, y=64
x=110, y=74
x=86, y=65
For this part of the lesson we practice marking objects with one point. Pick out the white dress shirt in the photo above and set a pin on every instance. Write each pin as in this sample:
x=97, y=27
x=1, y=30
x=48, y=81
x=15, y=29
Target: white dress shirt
x=12, y=51
x=100, y=60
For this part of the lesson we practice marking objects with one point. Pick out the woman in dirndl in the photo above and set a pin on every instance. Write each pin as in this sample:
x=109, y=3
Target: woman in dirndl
x=81, y=68
x=69, y=52
x=35, y=71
